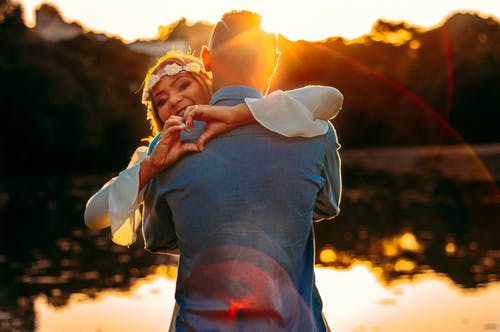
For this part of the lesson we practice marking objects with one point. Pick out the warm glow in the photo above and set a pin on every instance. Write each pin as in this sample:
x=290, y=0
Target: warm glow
x=354, y=300
x=167, y=271
x=310, y=20
x=409, y=242
x=450, y=248
x=398, y=37
x=404, y=265
x=415, y=44
x=390, y=247
x=395, y=245
x=327, y=255
x=147, y=307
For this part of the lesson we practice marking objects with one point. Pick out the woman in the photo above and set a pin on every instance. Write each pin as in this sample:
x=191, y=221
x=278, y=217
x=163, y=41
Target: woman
x=175, y=92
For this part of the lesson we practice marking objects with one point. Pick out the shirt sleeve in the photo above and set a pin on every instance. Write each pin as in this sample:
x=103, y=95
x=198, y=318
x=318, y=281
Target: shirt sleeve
x=327, y=204
x=117, y=203
x=299, y=112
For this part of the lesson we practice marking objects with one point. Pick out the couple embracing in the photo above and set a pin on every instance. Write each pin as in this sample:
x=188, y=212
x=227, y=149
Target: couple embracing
x=239, y=209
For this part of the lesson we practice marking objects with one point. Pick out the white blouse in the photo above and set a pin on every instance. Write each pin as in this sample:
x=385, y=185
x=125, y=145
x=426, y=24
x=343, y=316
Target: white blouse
x=300, y=112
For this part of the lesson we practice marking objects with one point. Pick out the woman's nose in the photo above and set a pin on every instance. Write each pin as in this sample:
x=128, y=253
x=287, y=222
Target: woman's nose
x=174, y=100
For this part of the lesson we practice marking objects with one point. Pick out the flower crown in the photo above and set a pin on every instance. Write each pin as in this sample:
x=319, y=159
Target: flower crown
x=169, y=70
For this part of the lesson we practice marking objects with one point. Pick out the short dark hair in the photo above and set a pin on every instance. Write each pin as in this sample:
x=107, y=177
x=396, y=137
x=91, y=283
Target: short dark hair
x=233, y=24
x=245, y=53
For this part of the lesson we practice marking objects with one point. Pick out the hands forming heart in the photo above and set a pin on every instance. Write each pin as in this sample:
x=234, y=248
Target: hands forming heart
x=218, y=119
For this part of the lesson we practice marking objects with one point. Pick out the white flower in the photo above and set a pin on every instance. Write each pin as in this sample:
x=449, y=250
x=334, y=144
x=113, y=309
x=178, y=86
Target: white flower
x=153, y=79
x=193, y=67
x=168, y=70
x=172, y=69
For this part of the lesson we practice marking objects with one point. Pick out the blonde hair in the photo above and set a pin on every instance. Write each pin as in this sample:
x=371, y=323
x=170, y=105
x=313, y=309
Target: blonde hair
x=203, y=77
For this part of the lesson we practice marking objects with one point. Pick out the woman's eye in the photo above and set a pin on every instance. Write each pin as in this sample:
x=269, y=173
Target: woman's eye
x=161, y=102
x=184, y=85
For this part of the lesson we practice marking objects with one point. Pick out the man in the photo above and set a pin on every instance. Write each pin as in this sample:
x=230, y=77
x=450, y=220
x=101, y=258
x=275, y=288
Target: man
x=242, y=209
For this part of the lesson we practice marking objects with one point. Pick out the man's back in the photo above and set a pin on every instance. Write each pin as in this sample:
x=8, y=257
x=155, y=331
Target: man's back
x=244, y=206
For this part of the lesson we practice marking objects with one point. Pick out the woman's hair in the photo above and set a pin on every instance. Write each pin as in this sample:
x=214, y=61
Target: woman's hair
x=155, y=73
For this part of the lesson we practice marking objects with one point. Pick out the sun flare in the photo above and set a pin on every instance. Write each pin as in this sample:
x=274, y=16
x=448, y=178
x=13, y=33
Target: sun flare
x=311, y=20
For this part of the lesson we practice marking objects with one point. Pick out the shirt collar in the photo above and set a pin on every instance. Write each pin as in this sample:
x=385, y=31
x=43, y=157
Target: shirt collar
x=234, y=94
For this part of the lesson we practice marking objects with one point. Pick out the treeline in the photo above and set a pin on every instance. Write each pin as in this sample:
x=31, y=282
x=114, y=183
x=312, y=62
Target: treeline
x=73, y=106
x=67, y=106
x=427, y=87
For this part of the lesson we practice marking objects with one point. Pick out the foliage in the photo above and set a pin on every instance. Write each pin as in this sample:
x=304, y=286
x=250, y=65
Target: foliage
x=68, y=106
x=72, y=106
x=437, y=87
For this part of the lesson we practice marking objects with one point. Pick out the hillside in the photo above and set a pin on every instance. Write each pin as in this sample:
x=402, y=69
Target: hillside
x=71, y=103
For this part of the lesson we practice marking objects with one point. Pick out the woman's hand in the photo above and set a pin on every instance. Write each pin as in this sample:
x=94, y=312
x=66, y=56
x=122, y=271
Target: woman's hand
x=170, y=147
x=167, y=151
x=219, y=119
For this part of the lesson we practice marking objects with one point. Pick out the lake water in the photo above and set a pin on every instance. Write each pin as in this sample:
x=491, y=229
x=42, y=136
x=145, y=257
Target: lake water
x=354, y=300
x=415, y=248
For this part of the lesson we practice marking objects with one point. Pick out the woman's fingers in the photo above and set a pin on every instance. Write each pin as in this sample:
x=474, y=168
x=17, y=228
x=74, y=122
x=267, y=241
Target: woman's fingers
x=189, y=115
x=175, y=128
x=170, y=135
x=188, y=147
x=197, y=112
x=173, y=120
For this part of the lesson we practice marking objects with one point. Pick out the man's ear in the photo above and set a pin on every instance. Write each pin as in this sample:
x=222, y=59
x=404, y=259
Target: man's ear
x=205, y=58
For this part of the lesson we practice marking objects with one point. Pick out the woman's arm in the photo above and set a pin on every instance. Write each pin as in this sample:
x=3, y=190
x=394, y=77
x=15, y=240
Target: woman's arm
x=117, y=203
x=166, y=151
x=300, y=112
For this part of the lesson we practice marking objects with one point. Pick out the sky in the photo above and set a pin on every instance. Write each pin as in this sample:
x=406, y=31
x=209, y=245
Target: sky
x=306, y=19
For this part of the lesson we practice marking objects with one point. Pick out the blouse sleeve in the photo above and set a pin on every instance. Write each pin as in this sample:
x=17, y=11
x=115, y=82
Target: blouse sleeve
x=299, y=112
x=117, y=203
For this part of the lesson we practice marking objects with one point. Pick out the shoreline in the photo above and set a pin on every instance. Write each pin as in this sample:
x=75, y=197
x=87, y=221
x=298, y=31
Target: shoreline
x=467, y=163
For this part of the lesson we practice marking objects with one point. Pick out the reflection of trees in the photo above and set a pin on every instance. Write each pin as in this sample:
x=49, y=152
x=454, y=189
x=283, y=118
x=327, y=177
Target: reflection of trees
x=46, y=249
x=440, y=213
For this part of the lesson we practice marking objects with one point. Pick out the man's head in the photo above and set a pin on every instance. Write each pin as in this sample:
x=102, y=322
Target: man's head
x=240, y=52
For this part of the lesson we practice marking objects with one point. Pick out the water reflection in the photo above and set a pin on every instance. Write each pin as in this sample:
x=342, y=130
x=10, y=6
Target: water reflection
x=355, y=299
x=406, y=254
x=406, y=213
x=147, y=306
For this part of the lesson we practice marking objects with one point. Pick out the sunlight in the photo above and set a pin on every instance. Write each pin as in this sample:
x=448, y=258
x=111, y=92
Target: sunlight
x=395, y=245
x=312, y=20
x=409, y=242
x=398, y=37
x=354, y=300
x=327, y=255
x=147, y=307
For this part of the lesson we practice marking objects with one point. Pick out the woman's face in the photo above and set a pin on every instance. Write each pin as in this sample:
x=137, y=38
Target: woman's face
x=172, y=94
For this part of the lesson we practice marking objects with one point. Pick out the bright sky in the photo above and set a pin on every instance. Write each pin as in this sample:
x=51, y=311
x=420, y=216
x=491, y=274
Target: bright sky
x=305, y=19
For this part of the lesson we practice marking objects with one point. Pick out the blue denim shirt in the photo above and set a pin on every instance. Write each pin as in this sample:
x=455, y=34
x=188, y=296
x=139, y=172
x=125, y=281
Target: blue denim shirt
x=241, y=214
